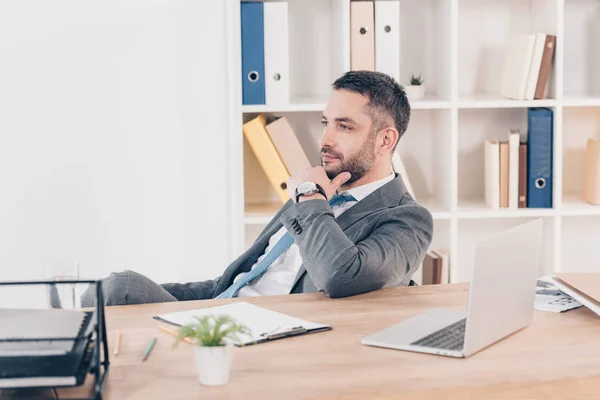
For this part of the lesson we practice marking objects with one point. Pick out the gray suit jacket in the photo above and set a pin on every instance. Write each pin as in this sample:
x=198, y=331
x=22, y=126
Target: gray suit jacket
x=379, y=242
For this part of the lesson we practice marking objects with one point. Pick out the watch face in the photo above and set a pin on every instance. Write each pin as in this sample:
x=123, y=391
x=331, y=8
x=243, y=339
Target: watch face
x=307, y=187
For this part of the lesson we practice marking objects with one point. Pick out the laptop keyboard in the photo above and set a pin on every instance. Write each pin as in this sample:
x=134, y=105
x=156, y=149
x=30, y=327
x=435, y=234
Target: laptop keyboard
x=451, y=337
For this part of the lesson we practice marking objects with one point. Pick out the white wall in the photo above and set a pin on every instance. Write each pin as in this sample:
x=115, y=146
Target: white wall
x=113, y=137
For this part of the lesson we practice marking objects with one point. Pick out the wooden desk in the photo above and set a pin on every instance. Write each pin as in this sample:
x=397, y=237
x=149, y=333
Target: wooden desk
x=558, y=356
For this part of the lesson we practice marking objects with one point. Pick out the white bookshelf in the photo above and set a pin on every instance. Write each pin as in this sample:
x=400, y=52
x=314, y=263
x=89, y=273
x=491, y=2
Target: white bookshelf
x=458, y=46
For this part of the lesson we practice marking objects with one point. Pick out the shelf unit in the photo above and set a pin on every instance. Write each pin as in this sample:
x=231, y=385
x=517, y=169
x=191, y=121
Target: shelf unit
x=458, y=46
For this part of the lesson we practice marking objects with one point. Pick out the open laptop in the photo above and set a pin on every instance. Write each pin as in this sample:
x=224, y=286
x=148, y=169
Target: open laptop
x=501, y=300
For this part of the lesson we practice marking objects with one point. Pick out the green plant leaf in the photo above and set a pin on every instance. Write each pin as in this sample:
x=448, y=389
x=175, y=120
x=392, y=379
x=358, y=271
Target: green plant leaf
x=211, y=330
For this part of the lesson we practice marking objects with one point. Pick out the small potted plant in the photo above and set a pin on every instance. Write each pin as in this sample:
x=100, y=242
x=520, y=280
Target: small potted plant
x=415, y=90
x=212, y=337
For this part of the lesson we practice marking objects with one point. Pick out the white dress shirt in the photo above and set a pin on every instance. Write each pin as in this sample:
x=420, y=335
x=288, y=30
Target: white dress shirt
x=280, y=276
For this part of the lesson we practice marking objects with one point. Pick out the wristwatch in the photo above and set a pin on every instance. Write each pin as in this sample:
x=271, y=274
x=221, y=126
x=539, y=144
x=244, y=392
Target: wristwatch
x=309, y=188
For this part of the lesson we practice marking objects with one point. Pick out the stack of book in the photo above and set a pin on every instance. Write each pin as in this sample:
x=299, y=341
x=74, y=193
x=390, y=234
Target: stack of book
x=527, y=65
x=518, y=171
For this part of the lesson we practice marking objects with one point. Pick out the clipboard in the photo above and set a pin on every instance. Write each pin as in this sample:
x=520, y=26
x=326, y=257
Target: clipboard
x=265, y=325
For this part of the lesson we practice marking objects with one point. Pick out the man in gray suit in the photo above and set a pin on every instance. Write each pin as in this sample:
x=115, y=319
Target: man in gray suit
x=349, y=227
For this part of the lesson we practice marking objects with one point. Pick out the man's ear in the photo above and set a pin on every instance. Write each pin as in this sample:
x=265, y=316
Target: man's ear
x=388, y=138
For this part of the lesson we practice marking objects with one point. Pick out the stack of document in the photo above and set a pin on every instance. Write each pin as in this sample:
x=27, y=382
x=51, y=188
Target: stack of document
x=45, y=325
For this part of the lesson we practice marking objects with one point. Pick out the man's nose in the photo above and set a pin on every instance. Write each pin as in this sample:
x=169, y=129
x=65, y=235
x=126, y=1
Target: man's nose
x=327, y=138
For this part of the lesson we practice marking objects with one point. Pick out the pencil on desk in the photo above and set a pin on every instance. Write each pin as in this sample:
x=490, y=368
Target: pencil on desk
x=172, y=332
x=118, y=343
x=149, y=349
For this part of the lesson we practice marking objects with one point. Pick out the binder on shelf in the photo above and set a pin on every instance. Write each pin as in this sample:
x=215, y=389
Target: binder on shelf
x=253, y=52
x=387, y=38
x=267, y=155
x=55, y=353
x=283, y=137
x=362, y=36
x=539, y=157
x=265, y=325
x=276, y=38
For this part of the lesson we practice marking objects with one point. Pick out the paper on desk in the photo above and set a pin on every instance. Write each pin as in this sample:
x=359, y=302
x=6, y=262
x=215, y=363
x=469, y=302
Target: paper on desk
x=38, y=324
x=259, y=320
x=549, y=298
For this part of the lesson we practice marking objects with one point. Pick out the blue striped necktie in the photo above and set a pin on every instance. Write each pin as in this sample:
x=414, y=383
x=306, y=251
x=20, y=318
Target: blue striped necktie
x=280, y=247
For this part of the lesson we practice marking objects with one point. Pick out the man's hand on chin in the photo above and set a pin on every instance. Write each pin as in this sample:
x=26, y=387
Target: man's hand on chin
x=318, y=176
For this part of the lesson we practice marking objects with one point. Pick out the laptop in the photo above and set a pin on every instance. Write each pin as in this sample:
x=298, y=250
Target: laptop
x=501, y=300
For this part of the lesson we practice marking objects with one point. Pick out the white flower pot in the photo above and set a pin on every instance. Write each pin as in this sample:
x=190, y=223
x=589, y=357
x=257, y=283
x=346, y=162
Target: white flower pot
x=213, y=364
x=414, y=92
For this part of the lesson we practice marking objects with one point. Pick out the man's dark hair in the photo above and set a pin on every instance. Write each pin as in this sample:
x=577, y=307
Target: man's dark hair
x=387, y=100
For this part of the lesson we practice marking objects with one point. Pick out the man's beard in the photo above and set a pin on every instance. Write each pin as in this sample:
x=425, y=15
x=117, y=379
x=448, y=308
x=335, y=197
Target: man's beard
x=358, y=164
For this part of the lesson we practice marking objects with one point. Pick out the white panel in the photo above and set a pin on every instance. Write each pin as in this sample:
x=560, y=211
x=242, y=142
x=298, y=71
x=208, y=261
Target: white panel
x=581, y=47
x=113, y=154
x=580, y=250
x=315, y=49
x=277, y=76
x=387, y=38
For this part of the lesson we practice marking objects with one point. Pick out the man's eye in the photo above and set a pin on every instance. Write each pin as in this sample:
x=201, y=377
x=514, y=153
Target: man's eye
x=324, y=123
x=345, y=127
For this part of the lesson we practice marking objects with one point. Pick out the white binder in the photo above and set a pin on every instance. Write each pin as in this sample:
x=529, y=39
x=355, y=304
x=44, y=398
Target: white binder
x=387, y=38
x=277, y=79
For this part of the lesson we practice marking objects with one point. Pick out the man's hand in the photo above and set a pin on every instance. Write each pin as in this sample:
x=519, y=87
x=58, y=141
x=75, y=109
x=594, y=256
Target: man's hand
x=318, y=176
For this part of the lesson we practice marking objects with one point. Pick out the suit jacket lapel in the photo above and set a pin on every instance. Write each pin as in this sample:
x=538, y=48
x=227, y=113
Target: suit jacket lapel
x=388, y=195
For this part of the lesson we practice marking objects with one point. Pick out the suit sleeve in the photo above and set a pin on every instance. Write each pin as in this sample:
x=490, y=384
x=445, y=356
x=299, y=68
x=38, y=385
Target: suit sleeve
x=339, y=267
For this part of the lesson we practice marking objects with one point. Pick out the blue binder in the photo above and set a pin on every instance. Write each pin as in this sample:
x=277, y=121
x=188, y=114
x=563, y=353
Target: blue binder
x=539, y=157
x=253, y=53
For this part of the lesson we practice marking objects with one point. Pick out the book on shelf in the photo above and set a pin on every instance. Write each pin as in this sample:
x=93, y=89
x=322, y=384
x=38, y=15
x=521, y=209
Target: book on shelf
x=523, y=175
x=514, y=169
x=375, y=37
x=436, y=267
x=527, y=64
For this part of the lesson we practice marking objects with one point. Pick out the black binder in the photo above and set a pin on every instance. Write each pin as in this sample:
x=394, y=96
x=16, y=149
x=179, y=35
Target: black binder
x=88, y=355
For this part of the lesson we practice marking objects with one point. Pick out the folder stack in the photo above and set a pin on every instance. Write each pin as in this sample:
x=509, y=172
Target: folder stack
x=277, y=149
x=375, y=36
x=265, y=53
x=518, y=171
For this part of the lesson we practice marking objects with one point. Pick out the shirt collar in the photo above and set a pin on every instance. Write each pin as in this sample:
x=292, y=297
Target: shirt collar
x=360, y=192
